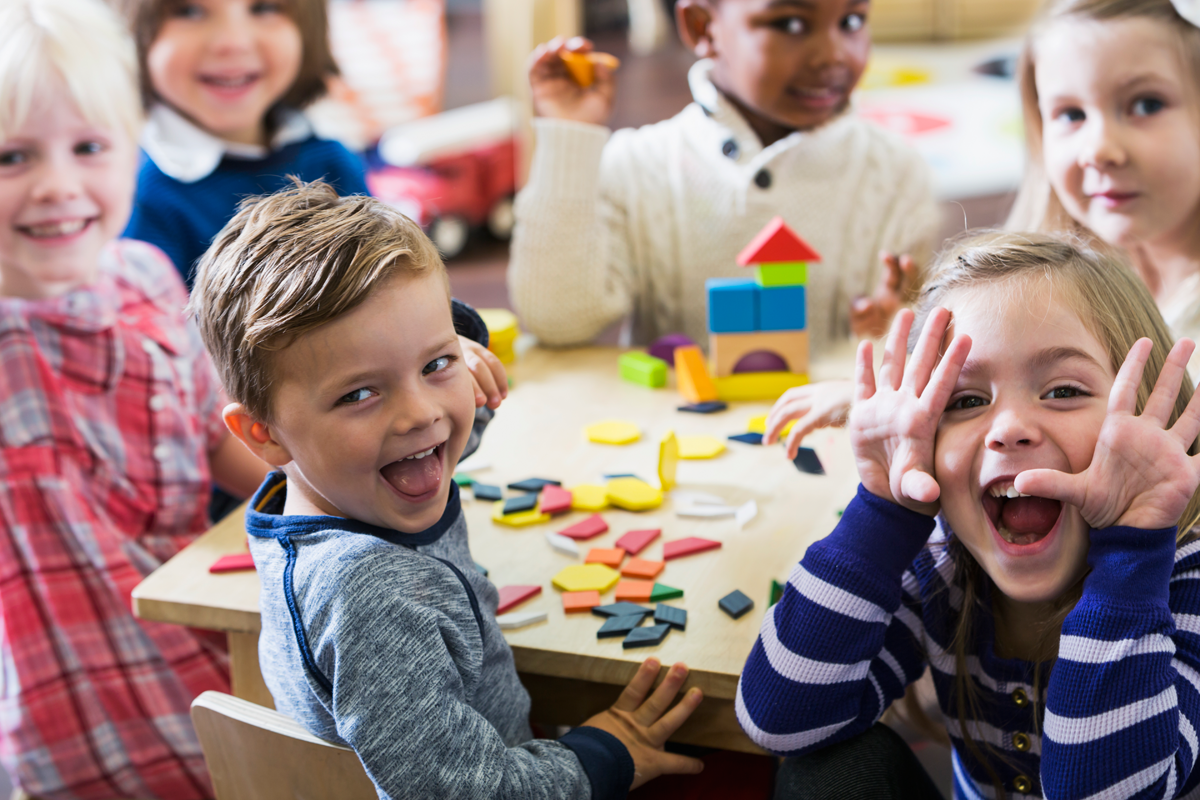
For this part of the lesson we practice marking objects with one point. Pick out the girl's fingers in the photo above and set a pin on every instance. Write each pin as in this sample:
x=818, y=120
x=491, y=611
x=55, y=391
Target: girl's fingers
x=1161, y=402
x=919, y=486
x=1123, y=398
x=663, y=729
x=895, y=350
x=945, y=377
x=1054, y=485
x=926, y=353
x=803, y=427
x=634, y=693
x=660, y=700
x=864, y=372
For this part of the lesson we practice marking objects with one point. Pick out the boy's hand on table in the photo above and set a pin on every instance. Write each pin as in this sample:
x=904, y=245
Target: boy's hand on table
x=870, y=316
x=643, y=727
x=555, y=92
x=487, y=373
x=817, y=405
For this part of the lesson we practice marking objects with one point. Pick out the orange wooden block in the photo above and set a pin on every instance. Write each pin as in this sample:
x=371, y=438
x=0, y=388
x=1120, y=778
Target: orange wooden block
x=609, y=556
x=635, y=591
x=691, y=375
x=642, y=568
x=727, y=349
x=579, y=601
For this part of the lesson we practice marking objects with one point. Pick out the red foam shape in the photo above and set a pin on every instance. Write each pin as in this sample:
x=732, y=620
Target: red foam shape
x=555, y=499
x=514, y=595
x=232, y=563
x=775, y=243
x=635, y=542
x=688, y=546
x=586, y=529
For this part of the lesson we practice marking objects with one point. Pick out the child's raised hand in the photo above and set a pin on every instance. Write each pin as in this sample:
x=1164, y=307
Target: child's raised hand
x=892, y=424
x=817, y=405
x=1141, y=475
x=555, y=92
x=487, y=373
x=643, y=724
x=869, y=316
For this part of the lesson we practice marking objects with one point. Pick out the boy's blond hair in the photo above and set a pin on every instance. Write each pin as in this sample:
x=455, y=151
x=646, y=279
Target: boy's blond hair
x=81, y=43
x=288, y=263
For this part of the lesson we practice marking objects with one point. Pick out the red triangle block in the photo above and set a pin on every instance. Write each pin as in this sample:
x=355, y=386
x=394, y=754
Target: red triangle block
x=775, y=243
x=592, y=526
x=555, y=499
x=635, y=542
x=514, y=595
x=232, y=563
x=685, y=547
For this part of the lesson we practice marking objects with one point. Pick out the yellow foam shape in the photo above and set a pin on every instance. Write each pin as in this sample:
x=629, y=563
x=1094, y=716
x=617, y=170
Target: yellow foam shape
x=700, y=447
x=589, y=497
x=759, y=425
x=632, y=494
x=502, y=331
x=586, y=578
x=757, y=385
x=518, y=520
x=582, y=66
x=668, y=460
x=613, y=432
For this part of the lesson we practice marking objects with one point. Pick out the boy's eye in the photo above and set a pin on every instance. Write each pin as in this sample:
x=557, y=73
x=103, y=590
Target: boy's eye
x=89, y=148
x=357, y=396
x=437, y=365
x=968, y=402
x=266, y=7
x=1064, y=393
x=12, y=158
x=854, y=23
x=1146, y=106
x=789, y=25
x=187, y=10
x=1070, y=115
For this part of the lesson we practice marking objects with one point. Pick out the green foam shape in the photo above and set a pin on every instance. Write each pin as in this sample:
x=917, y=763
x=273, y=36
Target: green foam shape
x=776, y=592
x=643, y=369
x=663, y=592
x=463, y=480
x=786, y=273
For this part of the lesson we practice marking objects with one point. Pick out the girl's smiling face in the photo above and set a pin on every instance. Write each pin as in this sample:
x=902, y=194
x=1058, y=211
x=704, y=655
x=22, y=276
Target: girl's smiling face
x=1032, y=394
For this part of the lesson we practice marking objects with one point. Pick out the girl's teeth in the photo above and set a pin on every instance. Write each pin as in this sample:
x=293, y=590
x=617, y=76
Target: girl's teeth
x=420, y=455
x=56, y=229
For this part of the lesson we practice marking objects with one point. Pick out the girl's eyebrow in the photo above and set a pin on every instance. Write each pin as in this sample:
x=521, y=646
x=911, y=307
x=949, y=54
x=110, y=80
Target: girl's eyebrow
x=1040, y=360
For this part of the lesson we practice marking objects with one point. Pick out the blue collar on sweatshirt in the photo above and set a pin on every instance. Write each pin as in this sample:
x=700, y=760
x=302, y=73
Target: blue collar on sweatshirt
x=265, y=520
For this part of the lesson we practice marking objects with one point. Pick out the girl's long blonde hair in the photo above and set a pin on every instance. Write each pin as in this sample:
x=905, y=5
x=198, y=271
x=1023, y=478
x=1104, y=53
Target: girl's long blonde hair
x=1037, y=208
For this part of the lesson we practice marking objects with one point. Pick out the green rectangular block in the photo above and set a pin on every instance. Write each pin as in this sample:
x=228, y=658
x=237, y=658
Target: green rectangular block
x=786, y=273
x=643, y=369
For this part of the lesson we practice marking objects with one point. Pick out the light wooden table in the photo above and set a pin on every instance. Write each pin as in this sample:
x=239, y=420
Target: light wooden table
x=538, y=432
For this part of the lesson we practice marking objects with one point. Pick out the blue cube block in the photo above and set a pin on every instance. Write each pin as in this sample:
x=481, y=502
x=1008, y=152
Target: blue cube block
x=782, y=308
x=732, y=305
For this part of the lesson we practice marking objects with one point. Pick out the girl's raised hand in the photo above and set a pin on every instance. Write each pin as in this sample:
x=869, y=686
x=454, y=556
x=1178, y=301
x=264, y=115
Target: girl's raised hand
x=1141, y=475
x=892, y=424
x=557, y=95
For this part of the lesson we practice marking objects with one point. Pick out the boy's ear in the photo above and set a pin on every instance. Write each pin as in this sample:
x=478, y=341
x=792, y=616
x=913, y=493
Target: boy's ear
x=694, y=18
x=255, y=435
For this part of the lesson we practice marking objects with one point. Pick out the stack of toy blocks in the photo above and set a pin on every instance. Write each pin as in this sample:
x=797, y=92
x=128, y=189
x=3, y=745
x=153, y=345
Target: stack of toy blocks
x=764, y=316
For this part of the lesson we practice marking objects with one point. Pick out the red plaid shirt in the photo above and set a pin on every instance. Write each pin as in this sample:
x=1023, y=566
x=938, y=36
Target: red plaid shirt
x=109, y=407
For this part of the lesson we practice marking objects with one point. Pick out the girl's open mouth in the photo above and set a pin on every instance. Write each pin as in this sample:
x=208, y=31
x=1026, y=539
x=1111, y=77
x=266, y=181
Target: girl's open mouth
x=1020, y=520
x=418, y=476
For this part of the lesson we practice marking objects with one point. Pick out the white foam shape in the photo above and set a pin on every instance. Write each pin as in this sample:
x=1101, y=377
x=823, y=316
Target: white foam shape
x=746, y=512
x=563, y=544
x=698, y=498
x=473, y=464
x=689, y=510
x=519, y=619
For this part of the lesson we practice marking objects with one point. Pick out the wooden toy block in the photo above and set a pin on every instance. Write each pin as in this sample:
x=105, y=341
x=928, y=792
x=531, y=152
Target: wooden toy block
x=612, y=432
x=732, y=305
x=635, y=542
x=775, y=243
x=643, y=369
x=784, y=273
x=691, y=376
x=663, y=592
x=534, y=485
x=586, y=529
x=776, y=592
x=232, y=563
x=612, y=556
x=582, y=66
x=519, y=619
x=806, y=461
x=699, y=447
x=782, y=308
x=463, y=480
x=664, y=346
x=632, y=494
x=634, y=591
x=668, y=461
x=562, y=544
x=711, y=407
x=502, y=332
x=621, y=609
x=619, y=626
x=757, y=385
x=646, y=637
x=515, y=595
x=586, y=578
x=519, y=519
x=688, y=546
x=735, y=604
x=727, y=349
x=759, y=425
x=747, y=438
x=574, y=602
x=485, y=492
x=589, y=497
x=514, y=504
x=670, y=615
x=555, y=500
x=642, y=568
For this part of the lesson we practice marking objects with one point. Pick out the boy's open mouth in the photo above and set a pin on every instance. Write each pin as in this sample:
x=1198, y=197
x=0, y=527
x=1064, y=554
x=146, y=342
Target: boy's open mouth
x=56, y=230
x=1019, y=519
x=417, y=476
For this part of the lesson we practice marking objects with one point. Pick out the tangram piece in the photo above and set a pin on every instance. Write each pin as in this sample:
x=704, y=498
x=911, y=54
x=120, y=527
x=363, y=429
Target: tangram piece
x=502, y=332
x=235, y=562
x=663, y=592
x=632, y=494
x=634, y=591
x=586, y=529
x=646, y=637
x=586, y=578
x=643, y=369
x=518, y=520
x=481, y=569
x=619, y=626
x=703, y=510
x=759, y=425
x=555, y=500
x=613, y=432
x=473, y=464
x=574, y=602
x=776, y=592
x=732, y=305
x=664, y=346
x=589, y=497
x=735, y=604
x=670, y=615
x=774, y=244
x=688, y=546
x=635, y=542
x=608, y=476
x=642, y=568
x=562, y=544
x=524, y=503
x=782, y=308
x=691, y=376
x=519, y=619
x=806, y=461
x=533, y=484
x=668, y=461
x=514, y=595
x=700, y=447
x=612, y=556
x=485, y=492
x=757, y=385
x=582, y=66
x=463, y=480
x=710, y=407
x=747, y=438
x=746, y=512
x=621, y=609
x=727, y=350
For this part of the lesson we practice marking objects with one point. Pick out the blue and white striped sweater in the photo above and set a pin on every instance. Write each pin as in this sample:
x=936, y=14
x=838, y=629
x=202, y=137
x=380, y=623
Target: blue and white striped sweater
x=870, y=606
